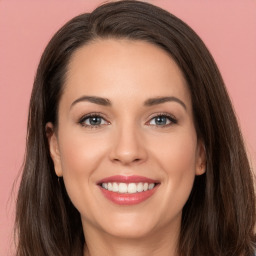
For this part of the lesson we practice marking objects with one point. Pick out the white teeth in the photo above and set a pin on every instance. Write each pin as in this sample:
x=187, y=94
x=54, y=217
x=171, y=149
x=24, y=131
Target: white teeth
x=128, y=187
x=151, y=185
x=140, y=187
x=122, y=188
x=132, y=188
x=115, y=187
x=145, y=187
x=110, y=186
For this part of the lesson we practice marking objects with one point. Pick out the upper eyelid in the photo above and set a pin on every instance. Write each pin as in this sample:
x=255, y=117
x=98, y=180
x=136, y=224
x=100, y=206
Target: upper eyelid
x=163, y=114
x=92, y=115
x=82, y=120
x=84, y=117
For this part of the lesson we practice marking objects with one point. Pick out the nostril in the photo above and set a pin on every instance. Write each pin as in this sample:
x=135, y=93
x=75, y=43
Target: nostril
x=127, y=160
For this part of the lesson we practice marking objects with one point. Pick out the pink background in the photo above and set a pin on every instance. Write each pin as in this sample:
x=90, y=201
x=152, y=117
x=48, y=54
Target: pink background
x=227, y=27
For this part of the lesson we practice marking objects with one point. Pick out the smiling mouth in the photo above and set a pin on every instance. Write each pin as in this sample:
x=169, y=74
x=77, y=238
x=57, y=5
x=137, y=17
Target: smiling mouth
x=128, y=190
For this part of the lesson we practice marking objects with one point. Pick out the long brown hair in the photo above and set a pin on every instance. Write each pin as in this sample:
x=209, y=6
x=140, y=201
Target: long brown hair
x=219, y=216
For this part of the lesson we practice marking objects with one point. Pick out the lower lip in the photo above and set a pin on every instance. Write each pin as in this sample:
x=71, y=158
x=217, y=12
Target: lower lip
x=128, y=199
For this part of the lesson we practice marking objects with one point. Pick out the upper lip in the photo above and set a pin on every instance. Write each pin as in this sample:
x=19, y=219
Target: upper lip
x=127, y=179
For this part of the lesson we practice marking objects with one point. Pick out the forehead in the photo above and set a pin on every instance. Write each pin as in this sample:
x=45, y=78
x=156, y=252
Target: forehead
x=122, y=68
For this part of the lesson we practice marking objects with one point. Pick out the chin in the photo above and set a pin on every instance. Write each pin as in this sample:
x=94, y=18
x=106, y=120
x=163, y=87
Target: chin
x=131, y=232
x=130, y=226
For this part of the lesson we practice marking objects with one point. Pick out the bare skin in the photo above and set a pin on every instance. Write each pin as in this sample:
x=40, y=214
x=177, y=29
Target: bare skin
x=111, y=122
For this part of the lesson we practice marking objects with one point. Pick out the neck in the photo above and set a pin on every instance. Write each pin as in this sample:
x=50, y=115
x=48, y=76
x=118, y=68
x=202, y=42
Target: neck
x=162, y=243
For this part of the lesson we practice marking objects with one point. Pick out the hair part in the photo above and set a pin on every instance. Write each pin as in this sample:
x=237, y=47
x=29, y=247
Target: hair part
x=219, y=216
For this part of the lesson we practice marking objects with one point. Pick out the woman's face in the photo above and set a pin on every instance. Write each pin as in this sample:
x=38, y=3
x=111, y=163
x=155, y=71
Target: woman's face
x=126, y=143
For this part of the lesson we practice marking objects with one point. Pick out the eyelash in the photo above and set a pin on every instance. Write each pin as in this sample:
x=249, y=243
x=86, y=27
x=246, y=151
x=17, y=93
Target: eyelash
x=91, y=115
x=171, y=118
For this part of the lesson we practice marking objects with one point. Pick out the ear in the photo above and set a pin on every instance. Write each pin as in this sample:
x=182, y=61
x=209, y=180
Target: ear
x=54, y=148
x=201, y=158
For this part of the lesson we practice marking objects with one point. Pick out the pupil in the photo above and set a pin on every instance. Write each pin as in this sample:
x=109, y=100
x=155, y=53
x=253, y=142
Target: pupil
x=95, y=120
x=160, y=120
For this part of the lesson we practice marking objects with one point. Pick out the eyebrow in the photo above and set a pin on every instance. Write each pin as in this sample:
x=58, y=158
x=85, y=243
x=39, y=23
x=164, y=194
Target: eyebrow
x=148, y=102
x=160, y=100
x=93, y=99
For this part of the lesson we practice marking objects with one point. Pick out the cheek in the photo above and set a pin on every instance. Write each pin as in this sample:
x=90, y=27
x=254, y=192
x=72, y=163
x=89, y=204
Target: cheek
x=80, y=154
x=177, y=152
x=177, y=158
x=80, y=157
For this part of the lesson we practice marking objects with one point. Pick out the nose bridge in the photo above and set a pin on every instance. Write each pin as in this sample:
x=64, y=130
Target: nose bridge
x=128, y=146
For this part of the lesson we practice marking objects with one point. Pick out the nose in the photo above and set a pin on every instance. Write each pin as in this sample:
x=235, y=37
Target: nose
x=128, y=147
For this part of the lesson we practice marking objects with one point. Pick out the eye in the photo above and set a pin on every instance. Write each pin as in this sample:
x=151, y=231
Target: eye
x=93, y=121
x=162, y=120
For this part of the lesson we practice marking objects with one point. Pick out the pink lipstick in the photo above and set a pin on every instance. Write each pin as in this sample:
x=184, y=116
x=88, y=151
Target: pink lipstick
x=128, y=190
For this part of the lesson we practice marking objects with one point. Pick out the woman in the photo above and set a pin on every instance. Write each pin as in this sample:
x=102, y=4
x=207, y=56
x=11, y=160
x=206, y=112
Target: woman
x=133, y=147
